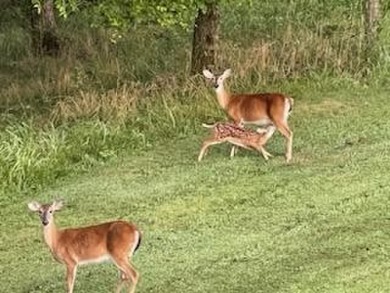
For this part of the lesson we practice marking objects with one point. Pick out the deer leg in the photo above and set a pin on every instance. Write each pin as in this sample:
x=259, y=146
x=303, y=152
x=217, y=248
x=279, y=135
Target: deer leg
x=262, y=150
x=122, y=280
x=265, y=154
x=202, y=152
x=134, y=277
x=234, y=148
x=233, y=151
x=236, y=145
x=128, y=273
x=287, y=133
x=267, y=132
x=261, y=130
x=71, y=269
x=206, y=144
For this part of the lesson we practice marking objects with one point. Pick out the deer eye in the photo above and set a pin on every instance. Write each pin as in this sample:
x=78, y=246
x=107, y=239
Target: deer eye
x=50, y=212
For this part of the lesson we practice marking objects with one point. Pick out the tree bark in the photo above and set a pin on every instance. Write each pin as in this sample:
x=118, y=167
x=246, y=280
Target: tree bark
x=44, y=30
x=205, y=38
x=371, y=12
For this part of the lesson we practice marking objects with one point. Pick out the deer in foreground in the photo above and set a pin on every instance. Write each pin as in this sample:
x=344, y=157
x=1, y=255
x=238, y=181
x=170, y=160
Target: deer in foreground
x=238, y=136
x=263, y=109
x=112, y=241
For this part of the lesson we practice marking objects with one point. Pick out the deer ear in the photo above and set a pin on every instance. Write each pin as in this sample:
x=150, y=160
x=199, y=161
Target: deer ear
x=208, y=74
x=34, y=206
x=227, y=73
x=57, y=205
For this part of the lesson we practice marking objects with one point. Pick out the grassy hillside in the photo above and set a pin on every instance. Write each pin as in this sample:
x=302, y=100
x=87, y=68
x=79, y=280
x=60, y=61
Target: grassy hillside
x=115, y=128
x=320, y=224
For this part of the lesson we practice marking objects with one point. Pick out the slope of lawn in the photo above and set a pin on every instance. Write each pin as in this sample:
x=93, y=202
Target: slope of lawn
x=319, y=224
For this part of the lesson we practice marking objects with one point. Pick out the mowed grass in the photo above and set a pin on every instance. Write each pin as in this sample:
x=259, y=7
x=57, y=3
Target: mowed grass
x=319, y=224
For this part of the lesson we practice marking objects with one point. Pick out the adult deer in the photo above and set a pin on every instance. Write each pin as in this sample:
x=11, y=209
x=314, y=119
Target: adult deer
x=112, y=241
x=263, y=109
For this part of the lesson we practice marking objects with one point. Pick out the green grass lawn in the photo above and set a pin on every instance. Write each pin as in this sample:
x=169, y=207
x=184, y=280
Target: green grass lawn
x=319, y=224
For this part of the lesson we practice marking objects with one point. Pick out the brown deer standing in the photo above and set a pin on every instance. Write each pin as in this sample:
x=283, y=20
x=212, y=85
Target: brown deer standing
x=238, y=136
x=263, y=109
x=112, y=241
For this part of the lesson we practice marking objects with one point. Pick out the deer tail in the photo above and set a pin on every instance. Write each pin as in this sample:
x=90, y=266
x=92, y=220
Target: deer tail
x=208, y=125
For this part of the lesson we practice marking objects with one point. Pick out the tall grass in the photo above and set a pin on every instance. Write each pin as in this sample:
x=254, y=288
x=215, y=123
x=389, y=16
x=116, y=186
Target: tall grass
x=31, y=156
x=87, y=128
x=27, y=154
x=296, y=38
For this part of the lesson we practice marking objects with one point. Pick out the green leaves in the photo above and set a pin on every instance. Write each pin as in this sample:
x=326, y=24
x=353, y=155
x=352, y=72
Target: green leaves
x=121, y=14
x=64, y=7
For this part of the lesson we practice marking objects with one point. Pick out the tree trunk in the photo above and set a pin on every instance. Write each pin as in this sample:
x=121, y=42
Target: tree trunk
x=204, y=43
x=44, y=30
x=371, y=12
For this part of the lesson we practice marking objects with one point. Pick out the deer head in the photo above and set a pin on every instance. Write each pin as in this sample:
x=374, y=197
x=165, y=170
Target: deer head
x=217, y=81
x=45, y=211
